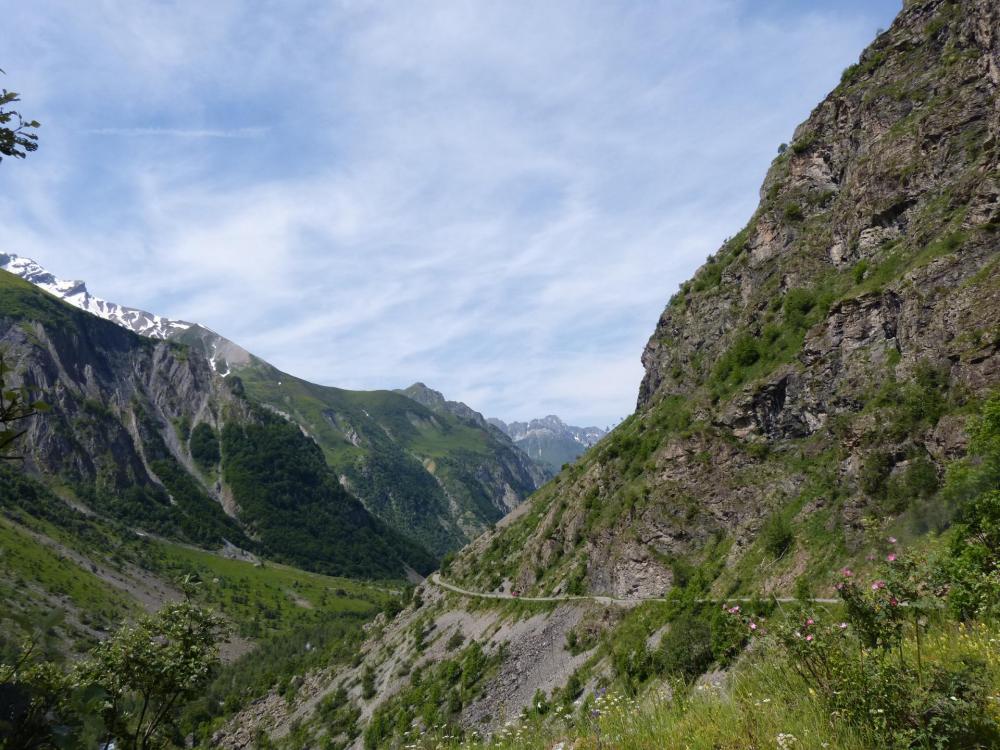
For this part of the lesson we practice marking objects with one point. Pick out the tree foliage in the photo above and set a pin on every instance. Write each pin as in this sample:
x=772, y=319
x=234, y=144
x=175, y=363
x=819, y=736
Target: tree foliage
x=129, y=691
x=16, y=138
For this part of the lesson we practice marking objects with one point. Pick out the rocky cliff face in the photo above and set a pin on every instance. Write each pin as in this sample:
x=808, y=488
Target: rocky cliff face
x=435, y=470
x=823, y=352
x=119, y=440
x=805, y=388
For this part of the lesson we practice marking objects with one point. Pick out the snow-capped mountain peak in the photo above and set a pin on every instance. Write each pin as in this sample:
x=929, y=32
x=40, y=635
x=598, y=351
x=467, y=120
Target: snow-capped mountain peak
x=75, y=293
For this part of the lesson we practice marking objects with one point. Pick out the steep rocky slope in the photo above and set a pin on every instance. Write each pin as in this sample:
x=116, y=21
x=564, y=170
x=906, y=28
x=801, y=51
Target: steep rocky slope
x=143, y=433
x=435, y=470
x=804, y=390
x=815, y=369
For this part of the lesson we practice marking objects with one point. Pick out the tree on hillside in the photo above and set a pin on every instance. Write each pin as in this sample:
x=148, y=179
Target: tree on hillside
x=151, y=669
x=15, y=137
x=127, y=693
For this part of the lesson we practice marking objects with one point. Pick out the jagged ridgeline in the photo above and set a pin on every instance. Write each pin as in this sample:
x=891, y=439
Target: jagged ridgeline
x=439, y=476
x=818, y=368
x=142, y=433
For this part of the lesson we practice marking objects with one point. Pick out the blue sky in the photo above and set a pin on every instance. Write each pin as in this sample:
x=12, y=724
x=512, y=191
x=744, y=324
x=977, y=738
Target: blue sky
x=496, y=198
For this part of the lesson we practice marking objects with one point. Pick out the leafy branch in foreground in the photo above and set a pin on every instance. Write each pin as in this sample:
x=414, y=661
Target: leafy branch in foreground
x=126, y=694
x=15, y=141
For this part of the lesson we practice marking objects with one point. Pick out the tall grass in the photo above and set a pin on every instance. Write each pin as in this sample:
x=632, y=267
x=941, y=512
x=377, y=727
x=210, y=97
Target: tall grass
x=762, y=703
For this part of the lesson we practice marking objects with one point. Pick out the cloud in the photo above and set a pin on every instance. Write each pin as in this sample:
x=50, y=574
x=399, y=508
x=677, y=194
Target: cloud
x=181, y=132
x=494, y=198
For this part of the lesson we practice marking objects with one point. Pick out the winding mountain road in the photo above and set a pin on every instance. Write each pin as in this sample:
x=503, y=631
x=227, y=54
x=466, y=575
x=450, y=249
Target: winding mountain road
x=435, y=578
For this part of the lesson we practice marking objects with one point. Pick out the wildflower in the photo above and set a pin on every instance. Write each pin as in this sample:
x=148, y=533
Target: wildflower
x=847, y=572
x=891, y=557
x=893, y=601
x=839, y=586
x=809, y=637
x=810, y=621
x=843, y=626
x=878, y=585
x=892, y=540
x=753, y=626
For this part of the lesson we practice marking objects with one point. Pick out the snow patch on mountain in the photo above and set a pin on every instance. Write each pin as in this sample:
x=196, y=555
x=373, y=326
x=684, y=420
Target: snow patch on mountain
x=75, y=293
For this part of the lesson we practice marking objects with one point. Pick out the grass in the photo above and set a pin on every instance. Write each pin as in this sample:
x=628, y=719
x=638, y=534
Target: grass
x=33, y=576
x=270, y=598
x=762, y=700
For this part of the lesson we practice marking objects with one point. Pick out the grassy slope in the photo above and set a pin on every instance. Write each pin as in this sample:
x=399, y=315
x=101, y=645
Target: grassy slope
x=405, y=458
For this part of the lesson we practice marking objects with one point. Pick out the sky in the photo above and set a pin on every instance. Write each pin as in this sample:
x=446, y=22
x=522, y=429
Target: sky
x=496, y=198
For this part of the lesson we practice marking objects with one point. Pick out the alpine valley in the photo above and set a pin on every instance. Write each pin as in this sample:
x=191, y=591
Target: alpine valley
x=791, y=543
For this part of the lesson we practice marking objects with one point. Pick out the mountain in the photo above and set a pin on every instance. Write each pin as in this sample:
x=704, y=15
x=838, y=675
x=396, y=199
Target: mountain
x=76, y=294
x=438, y=476
x=145, y=455
x=434, y=476
x=550, y=442
x=806, y=396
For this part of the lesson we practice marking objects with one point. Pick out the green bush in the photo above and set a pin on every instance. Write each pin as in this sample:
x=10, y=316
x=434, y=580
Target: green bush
x=205, y=445
x=777, y=536
x=793, y=212
x=875, y=473
x=686, y=648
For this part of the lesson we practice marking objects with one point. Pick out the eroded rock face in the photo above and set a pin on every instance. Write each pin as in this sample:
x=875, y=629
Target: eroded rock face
x=826, y=349
x=894, y=154
x=870, y=265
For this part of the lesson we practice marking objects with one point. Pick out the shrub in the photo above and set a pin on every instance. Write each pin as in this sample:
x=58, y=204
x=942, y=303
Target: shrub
x=686, y=648
x=777, y=536
x=875, y=472
x=205, y=445
x=793, y=212
x=368, y=683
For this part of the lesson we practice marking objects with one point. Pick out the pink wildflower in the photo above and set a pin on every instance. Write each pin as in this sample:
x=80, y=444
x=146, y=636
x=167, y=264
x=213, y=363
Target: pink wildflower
x=847, y=572
x=891, y=557
x=753, y=626
x=809, y=637
x=892, y=540
x=810, y=621
x=839, y=586
x=878, y=585
x=843, y=626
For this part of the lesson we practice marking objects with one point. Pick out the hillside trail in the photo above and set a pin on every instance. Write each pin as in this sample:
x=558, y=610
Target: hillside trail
x=435, y=579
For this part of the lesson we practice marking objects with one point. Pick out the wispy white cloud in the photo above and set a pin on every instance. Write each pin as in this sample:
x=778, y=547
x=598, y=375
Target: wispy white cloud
x=494, y=198
x=181, y=132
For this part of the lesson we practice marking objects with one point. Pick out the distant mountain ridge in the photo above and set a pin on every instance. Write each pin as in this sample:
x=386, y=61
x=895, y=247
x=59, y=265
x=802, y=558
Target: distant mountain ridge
x=434, y=470
x=435, y=401
x=76, y=294
x=549, y=441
